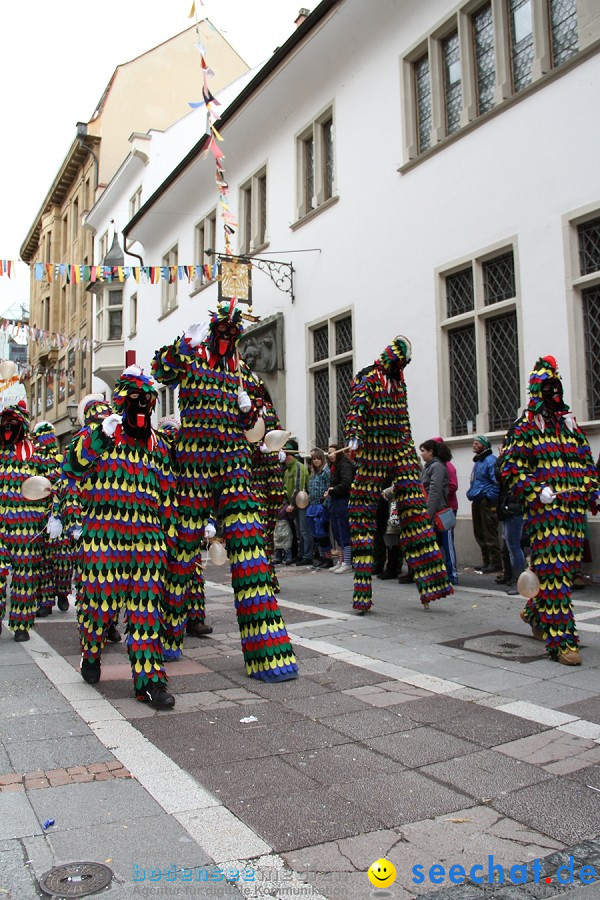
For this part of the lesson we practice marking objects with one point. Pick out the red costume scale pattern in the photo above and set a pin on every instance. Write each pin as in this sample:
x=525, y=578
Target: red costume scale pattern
x=213, y=458
x=548, y=449
x=22, y=521
x=378, y=421
x=126, y=487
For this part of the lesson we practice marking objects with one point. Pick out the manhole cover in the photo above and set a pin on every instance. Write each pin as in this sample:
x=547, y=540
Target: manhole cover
x=76, y=879
x=501, y=644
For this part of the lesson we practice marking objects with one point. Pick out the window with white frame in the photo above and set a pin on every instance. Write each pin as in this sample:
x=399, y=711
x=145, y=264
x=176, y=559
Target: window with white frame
x=331, y=369
x=133, y=303
x=315, y=164
x=103, y=247
x=135, y=202
x=478, y=58
x=585, y=270
x=167, y=402
x=205, y=238
x=169, y=284
x=479, y=324
x=109, y=315
x=253, y=213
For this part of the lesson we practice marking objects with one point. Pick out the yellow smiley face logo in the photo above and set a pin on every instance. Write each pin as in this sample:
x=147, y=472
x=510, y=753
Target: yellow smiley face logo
x=381, y=873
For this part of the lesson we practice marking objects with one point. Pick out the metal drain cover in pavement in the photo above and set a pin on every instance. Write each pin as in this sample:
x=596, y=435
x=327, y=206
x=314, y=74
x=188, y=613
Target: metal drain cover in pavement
x=76, y=879
x=502, y=644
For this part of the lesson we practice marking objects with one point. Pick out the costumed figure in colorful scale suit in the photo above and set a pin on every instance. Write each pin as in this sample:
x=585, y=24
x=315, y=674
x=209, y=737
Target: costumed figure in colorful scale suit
x=378, y=430
x=214, y=477
x=196, y=602
x=22, y=522
x=548, y=465
x=57, y=566
x=267, y=476
x=127, y=491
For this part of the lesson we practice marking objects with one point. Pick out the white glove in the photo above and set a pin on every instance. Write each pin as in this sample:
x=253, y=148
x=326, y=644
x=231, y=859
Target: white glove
x=76, y=533
x=109, y=424
x=263, y=448
x=196, y=334
x=244, y=401
x=281, y=456
x=54, y=528
x=353, y=444
x=547, y=495
x=209, y=531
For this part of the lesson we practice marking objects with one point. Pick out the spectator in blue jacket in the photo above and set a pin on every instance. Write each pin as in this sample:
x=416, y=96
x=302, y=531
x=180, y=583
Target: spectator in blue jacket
x=483, y=494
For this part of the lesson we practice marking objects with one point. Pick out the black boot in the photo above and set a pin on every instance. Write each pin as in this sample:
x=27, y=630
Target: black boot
x=62, y=602
x=90, y=671
x=195, y=628
x=391, y=569
x=156, y=695
x=21, y=635
x=113, y=634
x=43, y=611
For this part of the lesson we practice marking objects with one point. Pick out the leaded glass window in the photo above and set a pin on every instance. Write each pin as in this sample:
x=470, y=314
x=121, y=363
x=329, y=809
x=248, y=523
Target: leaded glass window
x=563, y=22
x=591, y=332
x=499, y=279
x=460, y=296
x=502, y=350
x=320, y=343
x=485, y=64
x=328, y=158
x=521, y=42
x=309, y=172
x=589, y=246
x=463, y=379
x=423, y=92
x=343, y=380
x=452, y=82
x=343, y=335
x=321, y=388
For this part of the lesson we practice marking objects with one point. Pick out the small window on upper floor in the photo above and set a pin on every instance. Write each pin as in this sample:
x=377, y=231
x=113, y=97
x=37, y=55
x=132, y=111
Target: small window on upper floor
x=169, y=284
x=315, y=164
x=135, y=202
x=253, y=213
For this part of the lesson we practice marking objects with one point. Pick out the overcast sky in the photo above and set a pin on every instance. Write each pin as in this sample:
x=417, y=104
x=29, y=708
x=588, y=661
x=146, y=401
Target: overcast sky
x=57, y=58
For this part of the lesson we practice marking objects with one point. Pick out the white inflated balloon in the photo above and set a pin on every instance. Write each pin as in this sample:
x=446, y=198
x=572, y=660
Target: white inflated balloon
x=276, y=439
x=217, y=553
x=301, y=499
x=8, y=369
x=256, y=433
x=36, y=488
x=528, y=584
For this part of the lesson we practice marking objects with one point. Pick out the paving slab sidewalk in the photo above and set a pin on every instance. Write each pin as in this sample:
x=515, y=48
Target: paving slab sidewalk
x=368, y=753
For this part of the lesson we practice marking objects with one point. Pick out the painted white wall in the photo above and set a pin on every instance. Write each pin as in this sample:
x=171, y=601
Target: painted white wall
x=515, y=175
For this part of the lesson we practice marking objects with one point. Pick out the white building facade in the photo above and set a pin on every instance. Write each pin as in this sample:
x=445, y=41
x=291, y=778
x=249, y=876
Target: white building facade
x=428, y=169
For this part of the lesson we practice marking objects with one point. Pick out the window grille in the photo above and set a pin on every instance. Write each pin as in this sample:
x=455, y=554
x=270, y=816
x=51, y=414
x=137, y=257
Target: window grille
x=502, y=350
x=591, y=332
x=452, y=82
x=343, y=335
x=498, y=279
x=460, y=296
x=589, y=246
x=423, y=89
x=563, y=22
x=320, y=343
x=463, y=379
x=485, y=66
x=343, y=378
x=321, y=384
x=521, y=42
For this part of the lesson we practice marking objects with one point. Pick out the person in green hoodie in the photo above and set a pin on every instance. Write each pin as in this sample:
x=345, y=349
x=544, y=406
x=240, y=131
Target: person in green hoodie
x=295, y=478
